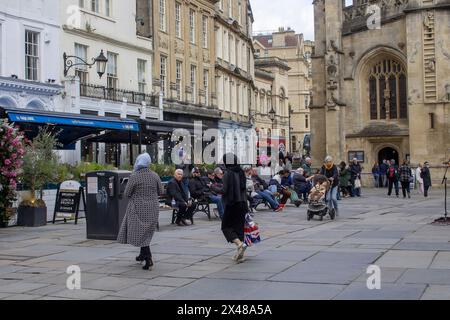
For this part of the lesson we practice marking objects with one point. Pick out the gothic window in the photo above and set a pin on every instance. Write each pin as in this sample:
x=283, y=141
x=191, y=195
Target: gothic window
x=373, y=98
x=388, y=91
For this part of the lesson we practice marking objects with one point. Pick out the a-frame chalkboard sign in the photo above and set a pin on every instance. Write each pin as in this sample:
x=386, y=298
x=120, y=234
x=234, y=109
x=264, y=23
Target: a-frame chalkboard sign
x=68, y=200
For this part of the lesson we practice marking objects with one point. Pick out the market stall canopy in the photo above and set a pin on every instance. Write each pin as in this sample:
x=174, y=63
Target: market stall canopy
x=70, y=127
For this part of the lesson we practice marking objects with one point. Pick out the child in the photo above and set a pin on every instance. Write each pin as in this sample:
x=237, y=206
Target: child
x=320, y=188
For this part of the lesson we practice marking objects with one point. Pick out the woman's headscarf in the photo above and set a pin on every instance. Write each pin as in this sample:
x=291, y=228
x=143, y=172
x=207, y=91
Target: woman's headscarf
x=142, y=162
x=232, y=164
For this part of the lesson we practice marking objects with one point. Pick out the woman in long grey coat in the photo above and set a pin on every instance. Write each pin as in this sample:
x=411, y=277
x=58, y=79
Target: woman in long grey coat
x=142, y=216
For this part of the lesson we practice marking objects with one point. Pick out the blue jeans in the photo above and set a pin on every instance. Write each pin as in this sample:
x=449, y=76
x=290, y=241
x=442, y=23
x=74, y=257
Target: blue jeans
x=376, y=178
x=332, y=196
x=267, y=195
x=218, y=201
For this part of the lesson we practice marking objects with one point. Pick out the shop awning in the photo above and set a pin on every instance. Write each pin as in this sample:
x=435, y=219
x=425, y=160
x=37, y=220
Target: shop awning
x=70, y=127
x=151, y=131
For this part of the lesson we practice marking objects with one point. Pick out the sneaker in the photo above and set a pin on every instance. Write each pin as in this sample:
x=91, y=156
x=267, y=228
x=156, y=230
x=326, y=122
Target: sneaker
x=279, y=209
x=241, y=252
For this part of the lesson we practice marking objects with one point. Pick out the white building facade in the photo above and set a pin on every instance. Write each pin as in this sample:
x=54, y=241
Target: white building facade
x=124, y=91
x=29, y=54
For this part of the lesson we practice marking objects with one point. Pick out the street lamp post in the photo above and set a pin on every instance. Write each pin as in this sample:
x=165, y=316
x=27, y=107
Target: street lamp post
x=73, y=61
x=272, y=116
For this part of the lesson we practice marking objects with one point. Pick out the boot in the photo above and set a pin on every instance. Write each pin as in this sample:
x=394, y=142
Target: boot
x=148, y=259
x=141, y=257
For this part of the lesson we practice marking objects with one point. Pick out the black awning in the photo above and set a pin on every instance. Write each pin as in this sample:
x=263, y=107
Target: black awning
x=166, y=127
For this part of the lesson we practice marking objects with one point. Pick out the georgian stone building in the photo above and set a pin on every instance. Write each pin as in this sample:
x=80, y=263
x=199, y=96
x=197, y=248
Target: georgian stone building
x=235, y=71
x=293, y=48
x=272, y=84
x=184, y=61
x=381, y=91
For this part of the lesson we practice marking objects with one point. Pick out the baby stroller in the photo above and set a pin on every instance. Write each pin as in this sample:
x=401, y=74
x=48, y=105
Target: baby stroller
x=319, y=205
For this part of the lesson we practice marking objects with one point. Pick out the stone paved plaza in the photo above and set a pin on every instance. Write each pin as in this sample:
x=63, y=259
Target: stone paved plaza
x=296, y=260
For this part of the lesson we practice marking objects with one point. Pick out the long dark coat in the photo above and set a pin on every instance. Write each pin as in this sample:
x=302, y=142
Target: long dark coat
x=426, y=176
x=142, y=216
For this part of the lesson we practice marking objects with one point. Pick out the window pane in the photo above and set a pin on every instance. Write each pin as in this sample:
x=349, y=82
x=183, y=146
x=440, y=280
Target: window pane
x=31, y=55
x=393, y=97
x=403, y=97
x=373, y=98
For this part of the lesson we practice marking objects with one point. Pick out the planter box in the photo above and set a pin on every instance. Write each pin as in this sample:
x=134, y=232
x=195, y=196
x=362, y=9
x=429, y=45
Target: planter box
x=31, y=217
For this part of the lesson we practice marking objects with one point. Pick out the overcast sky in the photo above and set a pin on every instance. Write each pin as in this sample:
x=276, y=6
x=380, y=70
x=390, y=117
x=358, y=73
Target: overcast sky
x=272, y=14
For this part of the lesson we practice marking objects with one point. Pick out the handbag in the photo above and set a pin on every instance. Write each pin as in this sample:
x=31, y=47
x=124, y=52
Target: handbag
x=294, y=196
x=358, y=184
x=251, y=231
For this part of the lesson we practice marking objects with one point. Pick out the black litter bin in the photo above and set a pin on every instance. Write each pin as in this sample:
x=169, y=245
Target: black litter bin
x=105, y=203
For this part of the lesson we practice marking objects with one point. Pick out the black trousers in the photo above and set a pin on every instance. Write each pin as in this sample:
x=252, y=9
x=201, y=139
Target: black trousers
x=425, y=191
x=393, y=183
x=233, y=222
x=406, y=188
x=185, y=212
x=146, y=253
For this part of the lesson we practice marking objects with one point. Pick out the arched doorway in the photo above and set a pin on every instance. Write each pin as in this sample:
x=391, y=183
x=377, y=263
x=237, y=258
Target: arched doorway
x=388, y=154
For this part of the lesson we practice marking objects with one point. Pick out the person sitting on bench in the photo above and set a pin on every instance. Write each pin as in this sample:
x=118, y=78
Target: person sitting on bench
x=215, y=185
x=178, y=199
x=197, y=185
x=261, y=188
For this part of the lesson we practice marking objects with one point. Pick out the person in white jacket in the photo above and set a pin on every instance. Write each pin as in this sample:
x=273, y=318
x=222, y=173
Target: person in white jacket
x=419, y=179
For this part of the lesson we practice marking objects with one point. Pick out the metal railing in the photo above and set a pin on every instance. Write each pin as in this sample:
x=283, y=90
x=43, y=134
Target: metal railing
x=113, y=94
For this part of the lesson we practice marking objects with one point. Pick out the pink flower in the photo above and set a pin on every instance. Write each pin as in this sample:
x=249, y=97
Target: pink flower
x=8, y=162
x=13, y=183
x=14, y=156
x=21, y=152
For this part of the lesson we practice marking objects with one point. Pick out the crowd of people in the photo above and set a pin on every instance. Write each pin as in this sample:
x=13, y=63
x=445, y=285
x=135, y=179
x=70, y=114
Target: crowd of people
x=236, y=191
x=389, y=175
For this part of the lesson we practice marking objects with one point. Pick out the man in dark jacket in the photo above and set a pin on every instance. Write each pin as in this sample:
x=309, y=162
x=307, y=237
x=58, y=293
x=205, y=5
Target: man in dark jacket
x=393, y=176
x=426, y=176
x=198, y=186
x=179, y=199
x=355, y=173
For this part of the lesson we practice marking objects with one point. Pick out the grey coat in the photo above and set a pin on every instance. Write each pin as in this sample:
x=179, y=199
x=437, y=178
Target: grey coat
x=142, y=216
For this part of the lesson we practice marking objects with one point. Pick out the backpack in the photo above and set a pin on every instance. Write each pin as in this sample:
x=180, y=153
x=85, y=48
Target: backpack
x=391, y=172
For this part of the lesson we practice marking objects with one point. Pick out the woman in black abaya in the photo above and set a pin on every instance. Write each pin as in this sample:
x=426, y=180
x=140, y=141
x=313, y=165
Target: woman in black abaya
x=235, y=202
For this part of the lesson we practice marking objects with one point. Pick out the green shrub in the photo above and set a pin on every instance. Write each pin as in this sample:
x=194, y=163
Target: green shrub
x=82, y=168
x=163, y=170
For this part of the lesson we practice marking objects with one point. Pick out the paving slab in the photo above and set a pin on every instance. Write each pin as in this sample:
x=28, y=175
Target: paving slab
x=144, y=292
x=426, y=276
x=423, y=246
x=359, y=291
x=406, y=259
x=215, y=289
x=437, y=292
x=110, y=283
x=20, y=287
x=297, y=291
x=441, y=261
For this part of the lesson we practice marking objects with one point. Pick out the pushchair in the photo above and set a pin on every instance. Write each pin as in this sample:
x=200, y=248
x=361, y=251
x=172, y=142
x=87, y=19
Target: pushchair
x=319, y=205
